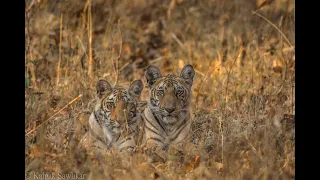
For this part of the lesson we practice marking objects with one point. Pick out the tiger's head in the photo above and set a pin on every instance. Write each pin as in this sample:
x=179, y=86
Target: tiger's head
x=119, y=107
x=170, y=95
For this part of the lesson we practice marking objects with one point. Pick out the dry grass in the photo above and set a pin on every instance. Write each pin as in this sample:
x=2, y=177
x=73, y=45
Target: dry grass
x=243, y=93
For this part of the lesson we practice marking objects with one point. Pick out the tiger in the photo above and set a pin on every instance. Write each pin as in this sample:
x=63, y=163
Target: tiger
x=167, y=117
x=115, y=120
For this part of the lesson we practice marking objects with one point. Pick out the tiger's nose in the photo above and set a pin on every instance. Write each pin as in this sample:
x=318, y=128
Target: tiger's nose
x=169, y=110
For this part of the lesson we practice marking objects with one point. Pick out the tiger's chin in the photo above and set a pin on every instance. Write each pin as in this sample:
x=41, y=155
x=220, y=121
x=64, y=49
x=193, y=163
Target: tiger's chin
x=169, y=119
x=174, y=118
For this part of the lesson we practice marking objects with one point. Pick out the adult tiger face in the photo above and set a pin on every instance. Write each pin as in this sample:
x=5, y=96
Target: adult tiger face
x=170, y=95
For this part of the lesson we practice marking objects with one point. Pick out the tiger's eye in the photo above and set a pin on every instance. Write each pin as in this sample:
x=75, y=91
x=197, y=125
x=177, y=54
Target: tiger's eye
x=111, y=105
x=132, y=112
x=153, y=102
x=160, y=92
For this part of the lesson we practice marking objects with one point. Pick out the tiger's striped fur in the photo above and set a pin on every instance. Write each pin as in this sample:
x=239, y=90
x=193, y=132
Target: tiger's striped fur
x=116, y=118
x=167, y=117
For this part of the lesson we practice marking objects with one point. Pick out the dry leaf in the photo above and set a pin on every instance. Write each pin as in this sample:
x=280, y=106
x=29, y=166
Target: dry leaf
x=277, y=65
x=161, y=168
x=36, y=150
x=180, y=63
x=171, y=7
x=246, y=160
x=179, y=1
x=127, y=49
x=277, y=62
x=218, y=166
x=145, y=167
x=43, y=4
x=165, y=52
x=193, y=163
x=246, y=166
x=265, y=3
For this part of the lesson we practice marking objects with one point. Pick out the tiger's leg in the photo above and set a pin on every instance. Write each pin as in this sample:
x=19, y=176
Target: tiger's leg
x=155, y=145
x=88, y=146
x=90, y=143
x=176, y=151
x=85, y=142
x=126, y=145
x=156, y=152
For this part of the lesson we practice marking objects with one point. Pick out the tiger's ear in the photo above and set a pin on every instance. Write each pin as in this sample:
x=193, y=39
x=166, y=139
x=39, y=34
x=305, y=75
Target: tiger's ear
x=152, y=74
x=187, y=73
x=136, y=88
x=102, y=88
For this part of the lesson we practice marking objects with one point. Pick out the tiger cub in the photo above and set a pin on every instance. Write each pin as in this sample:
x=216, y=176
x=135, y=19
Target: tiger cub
x=167, y=117
x=116, y=118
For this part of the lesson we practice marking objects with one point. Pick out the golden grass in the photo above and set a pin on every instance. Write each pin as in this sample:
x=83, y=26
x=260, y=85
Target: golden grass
x=243, y=92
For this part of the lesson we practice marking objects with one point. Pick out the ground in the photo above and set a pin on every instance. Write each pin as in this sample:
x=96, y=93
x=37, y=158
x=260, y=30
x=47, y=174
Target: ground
x=243, y=93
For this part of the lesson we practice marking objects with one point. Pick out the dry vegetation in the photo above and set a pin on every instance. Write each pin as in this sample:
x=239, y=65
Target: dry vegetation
x=243, y=93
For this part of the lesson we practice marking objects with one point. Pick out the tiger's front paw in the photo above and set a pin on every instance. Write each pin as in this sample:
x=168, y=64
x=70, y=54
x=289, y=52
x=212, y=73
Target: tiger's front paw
x=176, y=153
x=128, y=151
x=156, y=154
